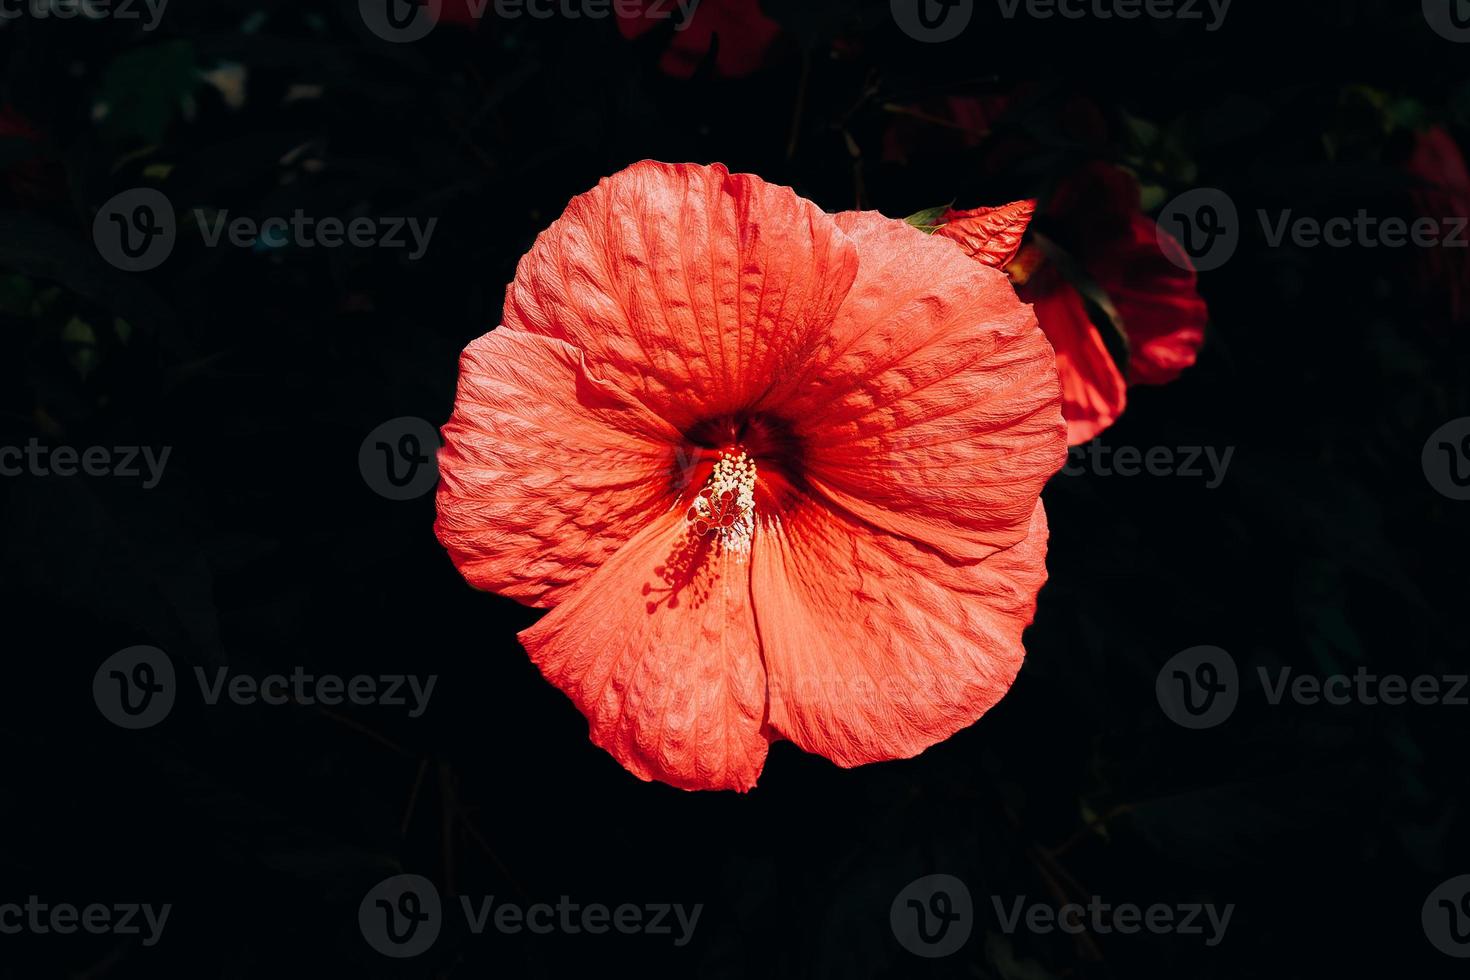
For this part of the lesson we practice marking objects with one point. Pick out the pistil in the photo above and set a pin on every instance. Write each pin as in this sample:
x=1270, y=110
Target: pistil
x=726, y=505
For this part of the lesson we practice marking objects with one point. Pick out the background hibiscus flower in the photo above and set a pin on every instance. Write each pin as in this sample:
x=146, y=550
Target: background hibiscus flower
x=1442, y=193
x=462, y=13
x=30, y=177
x=737, y=32
x=1141, y=284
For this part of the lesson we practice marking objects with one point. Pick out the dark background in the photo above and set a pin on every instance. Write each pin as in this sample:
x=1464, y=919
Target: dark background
x=1325, y=548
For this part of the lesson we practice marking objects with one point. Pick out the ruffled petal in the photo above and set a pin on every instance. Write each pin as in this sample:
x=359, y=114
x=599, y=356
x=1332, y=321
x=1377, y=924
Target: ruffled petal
x=876, y=647
x=1149, y=277
x=691, y=288
x=989, y=235
x=937, y=413
x=545, y=469
x=1093, y=391
x=659, y=651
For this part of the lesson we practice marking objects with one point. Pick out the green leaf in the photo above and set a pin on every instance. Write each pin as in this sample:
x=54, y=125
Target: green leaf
x=927, y=220
x=82, y=339
x=143, y=90
x=16, y=295
x=1407, y=114
x=1010, y=966
x=1146, y=134
x=47, y=253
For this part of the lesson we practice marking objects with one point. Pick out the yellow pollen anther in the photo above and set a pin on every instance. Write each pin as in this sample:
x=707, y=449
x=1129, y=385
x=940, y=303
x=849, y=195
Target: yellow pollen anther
x=726, y=505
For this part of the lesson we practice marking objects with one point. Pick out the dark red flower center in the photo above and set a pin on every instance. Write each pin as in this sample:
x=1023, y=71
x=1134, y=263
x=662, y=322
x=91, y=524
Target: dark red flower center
x=744, y=463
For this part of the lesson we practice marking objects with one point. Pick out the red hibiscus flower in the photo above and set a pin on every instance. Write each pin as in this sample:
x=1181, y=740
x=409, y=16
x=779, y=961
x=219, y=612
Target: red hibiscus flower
x=739, y=31
x=32, y=180
x=1142, y=272
x=1437, y=164
x=775, y=473
x=462, y=13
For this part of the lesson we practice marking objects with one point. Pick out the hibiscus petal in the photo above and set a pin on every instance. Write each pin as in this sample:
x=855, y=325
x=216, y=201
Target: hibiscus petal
x=1148, y=276
x=936, y=415
x=989, y=235
x=659, y=651
x=738, y=29
x=876, y=647
x=545, y=470
x=692, y=288
x=1442, y=193
x=741, y=31
x=1093, y=390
